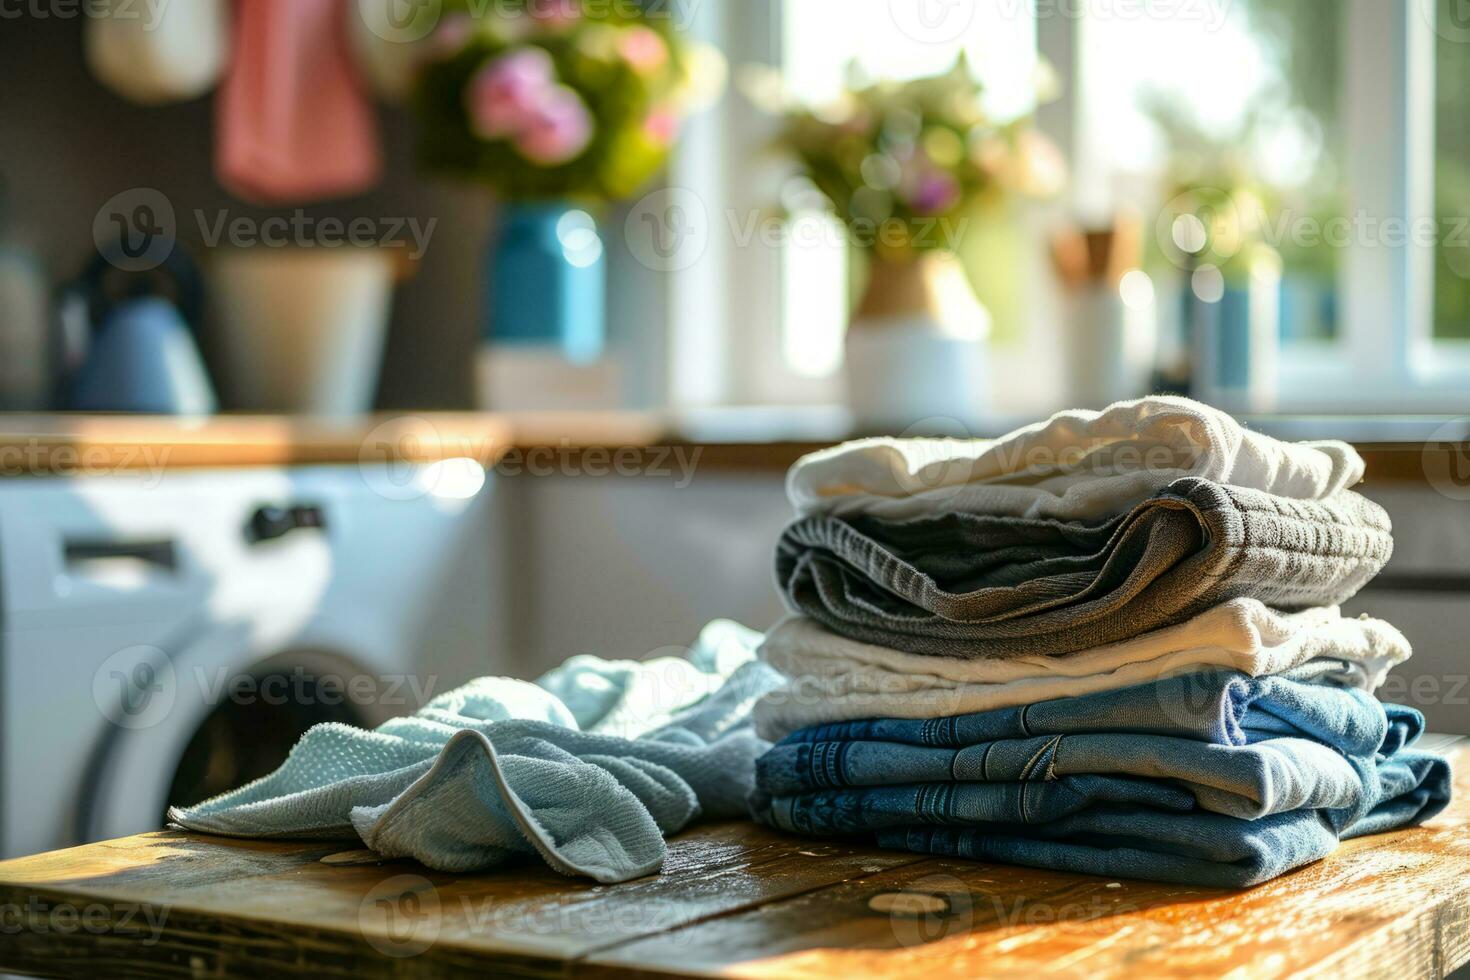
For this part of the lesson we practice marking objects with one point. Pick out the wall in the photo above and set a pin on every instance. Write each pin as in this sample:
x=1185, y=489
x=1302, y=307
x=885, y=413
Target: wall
x=624, y=566
x=67, y=145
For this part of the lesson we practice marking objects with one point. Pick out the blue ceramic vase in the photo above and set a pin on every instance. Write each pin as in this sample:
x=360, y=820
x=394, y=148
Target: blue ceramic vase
x=547, y=281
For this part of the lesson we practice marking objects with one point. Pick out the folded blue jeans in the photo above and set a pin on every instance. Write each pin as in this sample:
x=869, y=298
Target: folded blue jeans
x=1210, y=778
x=1246, y=781
x=1223, y=707
x=1206, y=849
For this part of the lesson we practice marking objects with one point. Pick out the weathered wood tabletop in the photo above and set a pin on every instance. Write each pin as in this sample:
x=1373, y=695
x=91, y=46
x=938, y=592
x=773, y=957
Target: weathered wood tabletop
x=733, y=899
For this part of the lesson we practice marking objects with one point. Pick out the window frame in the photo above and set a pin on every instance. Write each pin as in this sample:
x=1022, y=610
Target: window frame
x=731, y=308
x=1389, y=114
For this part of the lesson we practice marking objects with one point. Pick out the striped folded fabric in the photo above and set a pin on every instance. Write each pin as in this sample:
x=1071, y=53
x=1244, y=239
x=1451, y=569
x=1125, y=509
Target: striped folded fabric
x=1107, y=643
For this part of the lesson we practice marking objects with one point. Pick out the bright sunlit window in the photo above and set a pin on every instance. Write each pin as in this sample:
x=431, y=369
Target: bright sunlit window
x=825, y=40
x=1325, y=132
x=1241, y=98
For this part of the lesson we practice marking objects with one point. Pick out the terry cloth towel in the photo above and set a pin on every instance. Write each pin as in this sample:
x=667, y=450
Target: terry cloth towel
x=830, y=678
x=972, y=585
x=1079, y=465
x=1210, y=779
x=590, y=767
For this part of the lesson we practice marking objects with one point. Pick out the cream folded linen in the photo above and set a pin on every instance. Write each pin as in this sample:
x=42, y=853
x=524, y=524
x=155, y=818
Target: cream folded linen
x=830, y=678
x=1077, y=465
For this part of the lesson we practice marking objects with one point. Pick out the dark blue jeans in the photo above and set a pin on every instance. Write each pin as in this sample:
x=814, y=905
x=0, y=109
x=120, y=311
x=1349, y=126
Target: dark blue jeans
x=1195, y=848
x=1213, y=778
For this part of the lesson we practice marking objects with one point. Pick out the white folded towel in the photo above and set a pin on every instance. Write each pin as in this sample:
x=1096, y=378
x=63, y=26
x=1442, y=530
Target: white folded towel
x=1077, y=465
x=830, y=678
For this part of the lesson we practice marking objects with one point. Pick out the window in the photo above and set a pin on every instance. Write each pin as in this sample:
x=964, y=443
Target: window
x=1338, y=122
x=1239, y=98
x=1452, y=171
x=824, y=40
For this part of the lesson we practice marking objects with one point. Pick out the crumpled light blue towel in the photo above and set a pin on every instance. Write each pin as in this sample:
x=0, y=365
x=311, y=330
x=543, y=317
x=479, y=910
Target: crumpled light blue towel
x=590, y=766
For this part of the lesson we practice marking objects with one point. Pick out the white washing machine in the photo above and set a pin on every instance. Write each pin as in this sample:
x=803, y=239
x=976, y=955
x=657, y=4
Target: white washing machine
x=166, y=637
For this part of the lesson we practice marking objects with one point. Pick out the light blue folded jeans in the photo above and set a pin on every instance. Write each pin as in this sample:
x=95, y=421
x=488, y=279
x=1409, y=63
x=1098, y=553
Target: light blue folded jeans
x=1246, y=781
x=1221, y=706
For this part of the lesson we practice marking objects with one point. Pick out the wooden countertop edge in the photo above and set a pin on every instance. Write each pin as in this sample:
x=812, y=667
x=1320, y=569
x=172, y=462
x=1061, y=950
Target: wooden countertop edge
x=45, y=445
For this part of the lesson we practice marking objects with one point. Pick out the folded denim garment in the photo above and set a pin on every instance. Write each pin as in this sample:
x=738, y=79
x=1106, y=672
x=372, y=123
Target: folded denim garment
x=590, y=767
x=831, y=678
x=1245, y=781
x=970, y=585
x=1212, y=779
x=1220, y=707
x=1080, y=465
x=1198, y=848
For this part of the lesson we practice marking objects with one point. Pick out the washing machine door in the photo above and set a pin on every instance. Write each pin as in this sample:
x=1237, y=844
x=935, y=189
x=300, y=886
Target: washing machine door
x=180, y=735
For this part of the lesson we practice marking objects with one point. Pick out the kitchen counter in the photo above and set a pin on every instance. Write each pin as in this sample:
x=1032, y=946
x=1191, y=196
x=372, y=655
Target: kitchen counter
x=1398, y=450
x=733, y=899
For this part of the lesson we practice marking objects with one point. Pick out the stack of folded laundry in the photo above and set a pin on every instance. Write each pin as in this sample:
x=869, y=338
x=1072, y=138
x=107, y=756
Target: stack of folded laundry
x=1107, y=643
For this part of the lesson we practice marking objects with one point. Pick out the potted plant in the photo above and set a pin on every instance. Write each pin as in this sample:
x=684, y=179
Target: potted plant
x=560, y=108
x=907, y=167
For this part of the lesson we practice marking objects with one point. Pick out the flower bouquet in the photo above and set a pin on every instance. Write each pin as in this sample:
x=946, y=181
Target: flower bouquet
x=906, y=167
x=559, y=106
x=901, y=163
x=551, y=99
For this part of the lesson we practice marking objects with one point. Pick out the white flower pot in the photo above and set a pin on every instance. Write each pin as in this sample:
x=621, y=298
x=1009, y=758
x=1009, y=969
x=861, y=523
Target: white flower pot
x=302, y=330
x=916, y=347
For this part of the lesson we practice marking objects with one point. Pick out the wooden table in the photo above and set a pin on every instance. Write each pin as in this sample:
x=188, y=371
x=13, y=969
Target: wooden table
x=733, y=899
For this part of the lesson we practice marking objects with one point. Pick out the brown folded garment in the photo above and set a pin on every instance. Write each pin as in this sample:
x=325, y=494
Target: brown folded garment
x=972, y=585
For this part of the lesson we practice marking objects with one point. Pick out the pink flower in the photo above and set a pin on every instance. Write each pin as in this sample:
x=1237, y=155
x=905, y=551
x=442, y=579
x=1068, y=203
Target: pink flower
x=934, y=192
x=502, y=97
x=643, y=49
x=558, y=129
x=662, y=125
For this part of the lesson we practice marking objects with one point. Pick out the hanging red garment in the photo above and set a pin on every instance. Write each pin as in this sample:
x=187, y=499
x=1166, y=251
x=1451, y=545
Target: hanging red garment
x=294, y=120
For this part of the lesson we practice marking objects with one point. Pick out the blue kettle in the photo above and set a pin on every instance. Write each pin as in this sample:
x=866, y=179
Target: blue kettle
x=142, y=355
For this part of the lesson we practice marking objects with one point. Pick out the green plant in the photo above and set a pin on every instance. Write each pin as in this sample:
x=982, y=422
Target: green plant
x=893, y=159
x=550, y=99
